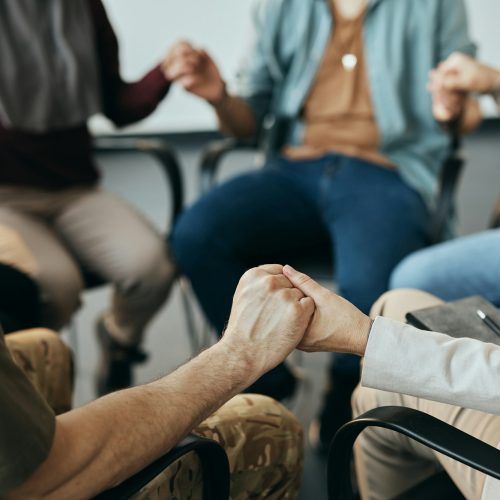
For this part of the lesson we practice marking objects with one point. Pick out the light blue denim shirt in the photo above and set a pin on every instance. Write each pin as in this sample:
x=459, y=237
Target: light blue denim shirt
x=404, y=40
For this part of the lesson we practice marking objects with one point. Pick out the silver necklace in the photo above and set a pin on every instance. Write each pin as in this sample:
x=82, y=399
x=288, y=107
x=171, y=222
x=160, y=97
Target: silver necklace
x=349, y=62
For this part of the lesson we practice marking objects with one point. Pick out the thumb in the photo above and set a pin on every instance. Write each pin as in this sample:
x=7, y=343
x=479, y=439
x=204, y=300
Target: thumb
x=452, y=81
x=308, y=305
x=303, y=282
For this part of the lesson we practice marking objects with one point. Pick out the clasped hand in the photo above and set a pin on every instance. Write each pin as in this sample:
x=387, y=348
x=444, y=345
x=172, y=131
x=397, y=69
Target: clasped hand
x=277, y=309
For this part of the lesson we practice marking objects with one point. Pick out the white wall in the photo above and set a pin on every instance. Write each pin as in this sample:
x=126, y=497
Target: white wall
x=146, y=28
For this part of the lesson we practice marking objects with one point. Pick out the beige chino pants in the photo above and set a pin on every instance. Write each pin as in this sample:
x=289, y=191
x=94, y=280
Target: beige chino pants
x=87, y=226
x=388, y=463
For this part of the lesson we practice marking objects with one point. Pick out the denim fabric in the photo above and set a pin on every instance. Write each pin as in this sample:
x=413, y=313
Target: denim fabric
x=455, y=269
x=366, y=214
x=404, y=40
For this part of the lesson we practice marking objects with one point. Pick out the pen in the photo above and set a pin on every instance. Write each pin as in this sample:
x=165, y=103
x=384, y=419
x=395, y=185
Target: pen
x=489, y=322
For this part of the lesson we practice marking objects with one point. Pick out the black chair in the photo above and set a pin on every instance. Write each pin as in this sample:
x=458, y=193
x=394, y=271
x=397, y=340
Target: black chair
x=214, y=464
x=423, y=428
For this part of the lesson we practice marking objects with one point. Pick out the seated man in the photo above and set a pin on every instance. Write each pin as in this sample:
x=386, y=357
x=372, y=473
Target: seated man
x=361, y=159
x=59, y=66
x=85, y=451
x=456, y=380
x=466, y=266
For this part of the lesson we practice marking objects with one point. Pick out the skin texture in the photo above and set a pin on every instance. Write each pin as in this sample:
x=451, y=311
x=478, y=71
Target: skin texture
x=461, y=73
x=103, y=443
x=337, y=325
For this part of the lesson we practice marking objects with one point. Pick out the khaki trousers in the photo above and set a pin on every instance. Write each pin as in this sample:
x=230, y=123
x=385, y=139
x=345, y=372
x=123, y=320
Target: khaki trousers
x=388, y=463
x=88, y=227
x=262, y=439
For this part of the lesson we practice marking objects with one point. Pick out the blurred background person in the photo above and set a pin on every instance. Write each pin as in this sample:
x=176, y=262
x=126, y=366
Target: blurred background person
x=59, y=66
x=470, y=265
x=360, y=166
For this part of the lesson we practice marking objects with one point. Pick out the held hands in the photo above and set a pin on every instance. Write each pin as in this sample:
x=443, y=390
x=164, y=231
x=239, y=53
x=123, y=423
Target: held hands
x=268, y=319
x=453, y=79
x=194, y=70
x=277, y=309
x=462, y=73
x=337, y=325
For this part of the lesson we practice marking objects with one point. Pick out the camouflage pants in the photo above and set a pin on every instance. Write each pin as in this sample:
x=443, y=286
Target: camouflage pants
x=264, y=444
x=263, y=440
x=47, y=362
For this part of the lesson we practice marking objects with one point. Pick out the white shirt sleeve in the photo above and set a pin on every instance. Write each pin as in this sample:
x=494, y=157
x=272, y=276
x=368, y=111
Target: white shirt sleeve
x=462, y=372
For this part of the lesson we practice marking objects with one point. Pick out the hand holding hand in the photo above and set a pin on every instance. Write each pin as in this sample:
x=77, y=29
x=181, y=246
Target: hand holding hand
x=447, y=104
x=268, y=318
x=195, y=70
x=462, y=73
x=336, y=326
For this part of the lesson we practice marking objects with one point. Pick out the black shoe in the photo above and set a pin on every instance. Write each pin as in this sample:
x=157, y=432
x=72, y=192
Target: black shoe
x=116, y=363
x=279, y=383
x=336, y=411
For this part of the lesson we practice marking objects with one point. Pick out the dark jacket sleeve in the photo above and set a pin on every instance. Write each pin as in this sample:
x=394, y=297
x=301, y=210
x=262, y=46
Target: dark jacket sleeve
x=123, y=102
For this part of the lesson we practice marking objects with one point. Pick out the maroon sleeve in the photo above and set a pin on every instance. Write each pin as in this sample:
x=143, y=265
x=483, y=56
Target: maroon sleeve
x=123, y=102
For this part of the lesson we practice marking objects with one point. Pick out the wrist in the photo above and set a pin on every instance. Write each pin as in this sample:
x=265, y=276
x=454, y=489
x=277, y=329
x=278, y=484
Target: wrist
x=360, y=338
x=240, y=363
x=219, y=100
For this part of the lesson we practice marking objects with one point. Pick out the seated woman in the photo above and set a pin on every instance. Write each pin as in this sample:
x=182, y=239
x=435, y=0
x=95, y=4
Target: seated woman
x=59, y=66
x=359, y=168
x=455, y=380
x=466, y=266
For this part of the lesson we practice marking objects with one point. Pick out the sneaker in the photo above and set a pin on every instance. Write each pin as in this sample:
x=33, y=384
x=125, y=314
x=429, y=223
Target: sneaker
x=336, y=412
x=116, y=363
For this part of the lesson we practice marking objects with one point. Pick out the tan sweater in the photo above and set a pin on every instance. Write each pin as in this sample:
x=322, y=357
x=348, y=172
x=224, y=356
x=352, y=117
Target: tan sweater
x=339, y=113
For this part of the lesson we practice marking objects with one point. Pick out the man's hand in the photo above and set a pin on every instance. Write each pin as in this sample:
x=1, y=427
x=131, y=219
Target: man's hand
x=447, y=105
x=336, y=326
x=462, y=73
x=196, y=71
x=268, y=319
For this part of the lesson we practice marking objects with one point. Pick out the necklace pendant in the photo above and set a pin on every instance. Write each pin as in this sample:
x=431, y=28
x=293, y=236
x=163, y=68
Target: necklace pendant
x=349, y=61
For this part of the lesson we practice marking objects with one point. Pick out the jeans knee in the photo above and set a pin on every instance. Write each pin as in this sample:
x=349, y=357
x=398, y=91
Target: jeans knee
x=191, y=240
x=412, y=272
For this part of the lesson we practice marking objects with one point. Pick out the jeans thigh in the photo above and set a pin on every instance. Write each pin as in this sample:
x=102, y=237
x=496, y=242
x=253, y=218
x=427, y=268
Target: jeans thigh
x=375, y=220
x=255, y=216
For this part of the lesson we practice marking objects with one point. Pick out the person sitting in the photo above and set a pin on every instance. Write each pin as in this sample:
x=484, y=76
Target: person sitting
x=59, y=66
x=361, y=159
x=81, y=452
x=465, y=266
x=455, y=380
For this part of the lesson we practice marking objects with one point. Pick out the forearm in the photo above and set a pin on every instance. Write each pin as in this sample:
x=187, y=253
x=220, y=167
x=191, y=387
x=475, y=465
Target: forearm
x=105, y=442
x=461, y=372
x=235, y=117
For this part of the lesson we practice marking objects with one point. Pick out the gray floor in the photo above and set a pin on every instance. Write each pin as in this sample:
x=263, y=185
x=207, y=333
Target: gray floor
x=139, y=181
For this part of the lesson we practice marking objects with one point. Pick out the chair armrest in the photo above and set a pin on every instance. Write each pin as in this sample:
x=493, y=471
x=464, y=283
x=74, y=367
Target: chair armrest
x=421, y=427
x=495, y=218
x=450, y=176
x=214, y=463
x=214, y=154
x=158, y=149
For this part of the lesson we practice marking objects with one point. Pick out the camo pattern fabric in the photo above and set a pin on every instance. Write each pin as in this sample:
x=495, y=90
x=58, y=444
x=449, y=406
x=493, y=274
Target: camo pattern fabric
x=47, y=363
x=264, y=444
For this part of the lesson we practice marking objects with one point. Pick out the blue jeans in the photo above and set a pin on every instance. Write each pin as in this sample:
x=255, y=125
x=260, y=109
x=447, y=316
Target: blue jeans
x=455, y=269
x=366, y=214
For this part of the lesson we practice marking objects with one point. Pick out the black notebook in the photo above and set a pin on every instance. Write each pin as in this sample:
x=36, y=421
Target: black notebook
x=458, y=319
